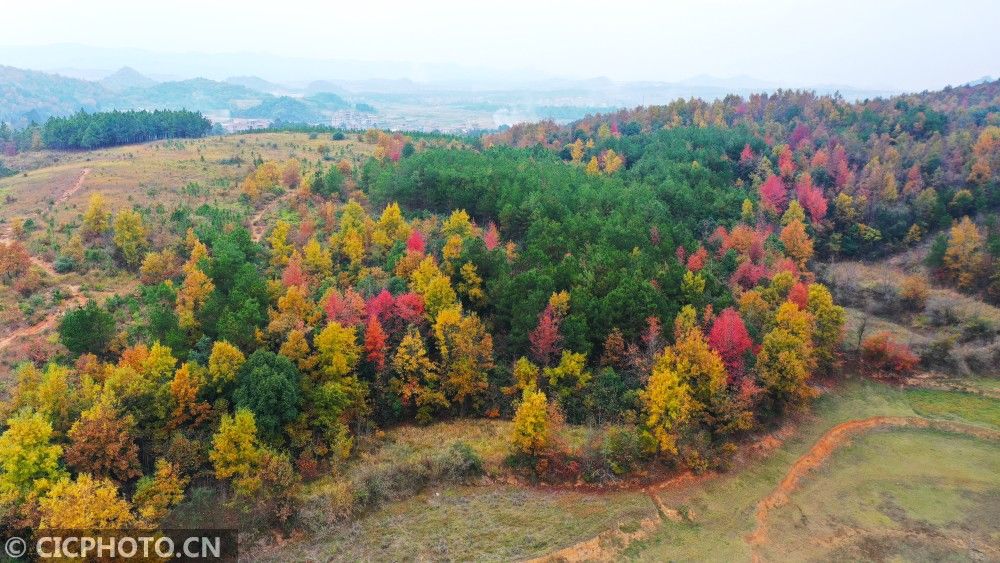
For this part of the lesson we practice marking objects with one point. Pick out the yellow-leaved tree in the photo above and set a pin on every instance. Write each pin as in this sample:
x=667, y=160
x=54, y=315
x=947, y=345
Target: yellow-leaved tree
x=29, y=461
x=466, y=354
x=337, y=351
x=223, y=363
x=786, y=358
x=667, y=404
x=416, y=377
x=235, y=452
x=85, y=504
x=829, y=321
x=130, y=236
x=156, y=494
x=96, y=219
x=530, y=430
x=798, y=245
x=963, y=255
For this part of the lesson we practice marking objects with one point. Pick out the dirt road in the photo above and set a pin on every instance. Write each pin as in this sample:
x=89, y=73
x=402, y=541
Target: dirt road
x=74, y=188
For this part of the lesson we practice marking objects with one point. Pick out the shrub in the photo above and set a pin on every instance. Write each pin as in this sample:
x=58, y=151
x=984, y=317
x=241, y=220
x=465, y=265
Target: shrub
x=375, y=484
x=28, y=283
x=913, y=291
x=371, y=485
x=64, y=264
x=624, y=448
x=87, y=329
x=978, y=329
x=881, y=353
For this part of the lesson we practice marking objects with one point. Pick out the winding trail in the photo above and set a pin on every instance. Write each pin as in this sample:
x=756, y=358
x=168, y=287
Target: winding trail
x=836, y=437
x=74, y=188
x=607, y=545
x=75, y=298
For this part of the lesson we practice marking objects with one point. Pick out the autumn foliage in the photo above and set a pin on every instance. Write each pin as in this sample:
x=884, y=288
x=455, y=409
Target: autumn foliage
x=882, y=353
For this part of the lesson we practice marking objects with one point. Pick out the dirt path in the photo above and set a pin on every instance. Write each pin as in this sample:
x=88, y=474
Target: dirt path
x=257, y=228
x=75, y=188
x=838, y=436
x=608, y=544
x=75, y=298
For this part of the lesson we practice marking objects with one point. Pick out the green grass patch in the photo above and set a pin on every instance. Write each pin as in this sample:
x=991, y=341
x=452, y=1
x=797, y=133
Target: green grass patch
x=888, y=486
x=905, y=476
x=955, y=405
x=723, y=508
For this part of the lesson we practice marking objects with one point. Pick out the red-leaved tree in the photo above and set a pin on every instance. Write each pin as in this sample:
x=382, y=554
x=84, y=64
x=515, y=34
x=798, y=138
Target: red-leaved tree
x=375, y=343
x=773, y=194
x=416, y=242
x=546, y=342
x=729, y=337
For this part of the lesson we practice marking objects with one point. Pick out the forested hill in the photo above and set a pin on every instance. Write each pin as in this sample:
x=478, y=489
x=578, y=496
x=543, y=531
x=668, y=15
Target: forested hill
x=651, y=274
x=876, y=176
x=95, y=130
x=28, y=96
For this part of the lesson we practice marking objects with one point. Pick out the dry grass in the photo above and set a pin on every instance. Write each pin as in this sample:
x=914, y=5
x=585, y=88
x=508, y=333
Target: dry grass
x=154, y=175
x=916, y=495
x=951, y=331
x=485, y=523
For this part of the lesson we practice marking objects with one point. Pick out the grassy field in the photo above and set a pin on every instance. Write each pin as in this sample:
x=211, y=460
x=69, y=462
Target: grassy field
x=52, y=192
x=497, y=521
x=156, y=173
x=897, y=495
x=482, y=523
x=723, y=509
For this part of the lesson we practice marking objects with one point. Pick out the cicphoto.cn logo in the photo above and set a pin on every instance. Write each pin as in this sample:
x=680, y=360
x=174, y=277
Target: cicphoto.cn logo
x=118, y=545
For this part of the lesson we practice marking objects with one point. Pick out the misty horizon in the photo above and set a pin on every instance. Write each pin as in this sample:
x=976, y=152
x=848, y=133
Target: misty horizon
x=891, y=46
x=78, y=60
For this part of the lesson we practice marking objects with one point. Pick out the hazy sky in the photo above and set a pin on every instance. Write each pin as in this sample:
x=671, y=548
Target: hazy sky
x=868, y=43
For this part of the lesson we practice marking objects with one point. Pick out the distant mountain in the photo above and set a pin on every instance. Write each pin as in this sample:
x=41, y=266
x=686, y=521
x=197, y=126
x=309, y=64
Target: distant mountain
x=324, y=86
x=984, y=80
x=329, y=100
x=27, y=95
x=283, y=109
x=259, y=84
x=742, y=82
x=124, y=78
x=197, y=94
x=476, y=103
